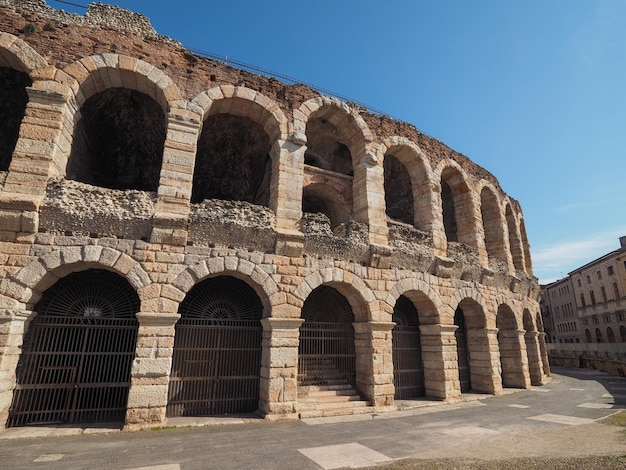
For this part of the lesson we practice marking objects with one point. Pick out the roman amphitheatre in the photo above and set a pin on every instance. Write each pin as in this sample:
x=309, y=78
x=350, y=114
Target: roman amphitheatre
x=180, y=237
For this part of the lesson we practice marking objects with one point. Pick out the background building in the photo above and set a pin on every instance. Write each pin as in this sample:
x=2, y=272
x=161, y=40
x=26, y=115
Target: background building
x=590, y=304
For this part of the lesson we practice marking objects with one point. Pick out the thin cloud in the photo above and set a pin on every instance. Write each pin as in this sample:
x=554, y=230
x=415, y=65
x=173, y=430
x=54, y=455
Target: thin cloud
x=555, y=261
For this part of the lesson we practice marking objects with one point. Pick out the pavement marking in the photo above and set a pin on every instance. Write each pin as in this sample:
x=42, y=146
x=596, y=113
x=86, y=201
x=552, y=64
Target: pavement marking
x=49, y=458
x=561, y=419
x=519, y=406
x=350, y=455
x=596, y=406
x=577, y=389
x=172, y=466
x=469, y=431
x=537, y=389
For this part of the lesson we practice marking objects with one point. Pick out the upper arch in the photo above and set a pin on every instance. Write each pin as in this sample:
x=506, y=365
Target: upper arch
x=18, y=55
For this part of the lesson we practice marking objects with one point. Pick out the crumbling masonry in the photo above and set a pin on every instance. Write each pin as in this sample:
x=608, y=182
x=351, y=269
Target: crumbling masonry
x=183, y=238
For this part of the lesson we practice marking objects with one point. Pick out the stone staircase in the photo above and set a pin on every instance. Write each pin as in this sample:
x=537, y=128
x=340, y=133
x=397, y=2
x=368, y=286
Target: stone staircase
x=324, y=391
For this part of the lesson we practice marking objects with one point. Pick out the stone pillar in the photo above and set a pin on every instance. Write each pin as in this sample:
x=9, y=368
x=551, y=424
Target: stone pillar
x=13, y=326
x=374, y=362
x=544, y=354
x=147, y=397
x=278, y=397
x=368, y=192
x=286, y=193
x=513, y=358
x=534, y=358
x=482, y=344
x=439, y=355
x=176, y=179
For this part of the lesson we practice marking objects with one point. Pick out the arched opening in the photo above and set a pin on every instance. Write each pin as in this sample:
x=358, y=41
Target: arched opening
x=326, y=353
x=509, y=345
x=118, y=141
x=525, y=246
x=398, y=191
x=492, y=225
x=533, y=349
x=449, y=213
x=462, y=351
x=514, y=240
x=610, y=335
x=321, y=198
x=408, y=366
x=233, y=161
x=78, y=352
x=326, y=147
x=13, y=100
x=588, y=336
x=598, y=335
x=217, y=350
x=622, y=333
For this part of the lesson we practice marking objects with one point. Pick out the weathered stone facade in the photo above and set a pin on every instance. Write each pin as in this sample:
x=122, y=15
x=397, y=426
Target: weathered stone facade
x=301, y=192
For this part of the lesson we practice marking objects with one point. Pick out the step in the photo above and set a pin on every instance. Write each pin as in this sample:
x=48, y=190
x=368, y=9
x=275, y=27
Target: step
x=328, y=398
x=324, y=388
x=323, y=413
x=327, y=393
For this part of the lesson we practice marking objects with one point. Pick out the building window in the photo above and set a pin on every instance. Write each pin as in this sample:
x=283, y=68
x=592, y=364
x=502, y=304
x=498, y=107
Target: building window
x=607, y=318
x=616, y=291
x=603, y=292
x=579, y=283
x=610, y=270
x=593, y=297
x=599, y=274
x=595, y=320
x=582, y=300
x=620, y=316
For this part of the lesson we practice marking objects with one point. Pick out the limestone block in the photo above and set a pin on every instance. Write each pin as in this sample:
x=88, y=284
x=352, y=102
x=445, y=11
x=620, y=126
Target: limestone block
x=151, y=367
x=147, y=396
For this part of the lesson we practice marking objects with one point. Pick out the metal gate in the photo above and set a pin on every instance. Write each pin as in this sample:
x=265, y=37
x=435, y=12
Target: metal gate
x=408, y=369
x=462, y=351
x=217, y=350
x=326, y=353
x=78, y=352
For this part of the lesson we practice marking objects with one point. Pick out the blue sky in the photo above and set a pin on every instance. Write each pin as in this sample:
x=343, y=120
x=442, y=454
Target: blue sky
x=534, y=91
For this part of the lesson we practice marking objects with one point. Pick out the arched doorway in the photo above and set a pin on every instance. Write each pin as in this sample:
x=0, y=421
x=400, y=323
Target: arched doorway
x=326, y=353
x=610, y=335
x=598, y=335
x=462, y=351
x=78, y=352
x=408, y=368
x=217, y=350
x=510, y=348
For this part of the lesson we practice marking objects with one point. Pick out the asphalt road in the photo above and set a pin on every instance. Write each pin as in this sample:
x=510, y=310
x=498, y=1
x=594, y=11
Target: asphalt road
x=574, y=397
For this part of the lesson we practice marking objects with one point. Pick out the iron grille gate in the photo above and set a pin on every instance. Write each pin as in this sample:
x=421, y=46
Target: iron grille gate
x=462, y=351
x=74, y=369
x=215, y=368
x=326, y=353
x=408, y=371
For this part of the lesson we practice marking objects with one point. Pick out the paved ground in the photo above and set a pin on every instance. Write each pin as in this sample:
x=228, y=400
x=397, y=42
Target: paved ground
x=555, y=420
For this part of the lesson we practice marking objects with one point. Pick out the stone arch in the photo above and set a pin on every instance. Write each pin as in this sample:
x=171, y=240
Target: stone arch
x=457, y=205
x=18, y=61
x=337, y=146
x=424, y=297
x=111, y=146
x=28, y=285
x=238, y=147
x=419, y=172
x=260, y=281
x=493, y=223
x=356, y=292
x=534, y=351
x=476, y=305
x=515, y=241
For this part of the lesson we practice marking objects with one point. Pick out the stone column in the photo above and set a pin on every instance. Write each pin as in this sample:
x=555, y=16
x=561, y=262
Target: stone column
x=482, y=344
x=176, y=178
x=286, y=193
x=544, y=354
x=13, y=326
x=439, y=355
x=147, y=397
x=368, y=192
x=513, y=358
x=278, y=397
x=534, y=358
x=374, y=362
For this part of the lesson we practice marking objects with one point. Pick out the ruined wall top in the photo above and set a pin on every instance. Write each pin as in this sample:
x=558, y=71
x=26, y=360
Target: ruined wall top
x=97, y=15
